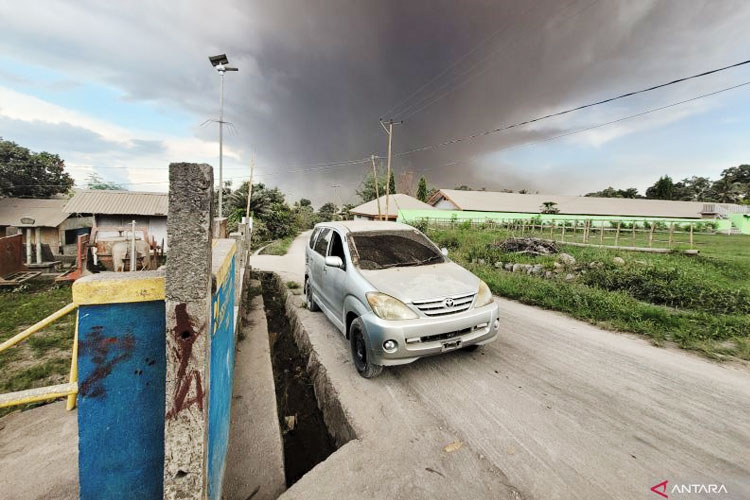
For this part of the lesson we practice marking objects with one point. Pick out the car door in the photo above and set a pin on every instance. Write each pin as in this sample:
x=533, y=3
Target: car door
x=334, y=278
x=317, y=263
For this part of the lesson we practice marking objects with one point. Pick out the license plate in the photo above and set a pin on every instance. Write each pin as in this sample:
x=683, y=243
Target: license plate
x=453, y=344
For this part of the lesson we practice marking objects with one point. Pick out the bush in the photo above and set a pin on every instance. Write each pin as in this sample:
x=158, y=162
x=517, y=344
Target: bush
x=671, y=287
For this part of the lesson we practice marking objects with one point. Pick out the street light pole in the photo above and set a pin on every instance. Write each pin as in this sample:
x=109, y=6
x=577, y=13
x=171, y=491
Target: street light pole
x=220, y=62
x=221, y=140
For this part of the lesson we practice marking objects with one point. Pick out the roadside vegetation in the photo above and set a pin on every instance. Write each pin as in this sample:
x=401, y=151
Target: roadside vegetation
x=44, y=358
x=701, y=303
x=278, y=247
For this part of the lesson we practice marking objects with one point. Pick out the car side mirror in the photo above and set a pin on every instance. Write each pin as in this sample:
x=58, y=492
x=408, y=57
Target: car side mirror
x=444, y=251
x=334, y=261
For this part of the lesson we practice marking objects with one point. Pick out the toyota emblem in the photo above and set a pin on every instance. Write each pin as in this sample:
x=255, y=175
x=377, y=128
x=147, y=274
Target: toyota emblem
x=448, y=303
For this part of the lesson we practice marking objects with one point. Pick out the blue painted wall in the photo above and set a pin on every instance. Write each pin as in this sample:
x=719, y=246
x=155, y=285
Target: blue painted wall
x=221, y=373
x=121, y=370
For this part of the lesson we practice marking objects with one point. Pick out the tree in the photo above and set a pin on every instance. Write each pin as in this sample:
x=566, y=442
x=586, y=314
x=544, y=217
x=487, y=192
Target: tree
x=328, y=211
x=741, y=176
x=93, y=181
x=422, y=189
x=392, y=184
x=366, y=189
x=663, y=189
x=549, y=207
x=611, y=192
x=727, y=191
x=268, y=207
x=346, y=211
x=25, y=174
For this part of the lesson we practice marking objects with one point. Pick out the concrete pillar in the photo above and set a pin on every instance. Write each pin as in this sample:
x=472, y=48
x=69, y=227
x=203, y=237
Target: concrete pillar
x=121, y=365
x=38, y=240
x=28, y=246
x=188, y=320
x=220, y=227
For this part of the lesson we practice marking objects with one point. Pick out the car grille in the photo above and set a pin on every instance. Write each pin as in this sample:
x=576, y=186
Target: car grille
x=438, y=307
x=445, y=336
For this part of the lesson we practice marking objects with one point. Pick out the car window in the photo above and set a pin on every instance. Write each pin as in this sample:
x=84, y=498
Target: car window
x=321, y=245
x=384, y=249
x=313, y=236
x=337, y=247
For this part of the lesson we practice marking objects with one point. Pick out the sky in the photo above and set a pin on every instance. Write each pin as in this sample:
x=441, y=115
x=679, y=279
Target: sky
x=121, y=89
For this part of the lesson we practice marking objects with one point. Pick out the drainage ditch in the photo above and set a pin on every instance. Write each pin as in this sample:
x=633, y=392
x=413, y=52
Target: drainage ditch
x=307, y=441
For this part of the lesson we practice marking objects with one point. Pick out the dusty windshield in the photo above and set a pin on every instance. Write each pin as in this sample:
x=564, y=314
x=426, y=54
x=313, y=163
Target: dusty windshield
x=385, y=249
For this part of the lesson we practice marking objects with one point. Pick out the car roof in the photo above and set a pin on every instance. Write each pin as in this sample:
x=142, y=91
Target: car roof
x=362, y=226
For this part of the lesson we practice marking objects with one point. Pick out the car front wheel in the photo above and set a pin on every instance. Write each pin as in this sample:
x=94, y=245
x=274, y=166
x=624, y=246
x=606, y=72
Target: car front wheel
x=311, y=305
x=358, y=340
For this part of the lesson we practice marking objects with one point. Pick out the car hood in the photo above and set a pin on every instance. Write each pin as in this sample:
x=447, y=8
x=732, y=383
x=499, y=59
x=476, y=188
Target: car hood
x=423, y=282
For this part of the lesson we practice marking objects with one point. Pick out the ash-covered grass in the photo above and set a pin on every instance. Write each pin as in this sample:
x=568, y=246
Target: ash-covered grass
x=278, y=247
x=699, y=302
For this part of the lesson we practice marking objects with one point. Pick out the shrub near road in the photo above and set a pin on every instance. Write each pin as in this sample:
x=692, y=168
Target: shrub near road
x=700, y=303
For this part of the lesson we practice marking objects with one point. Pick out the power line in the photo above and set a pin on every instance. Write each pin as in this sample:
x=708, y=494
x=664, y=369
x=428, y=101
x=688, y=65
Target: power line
x=593, y=127
x=571, y=110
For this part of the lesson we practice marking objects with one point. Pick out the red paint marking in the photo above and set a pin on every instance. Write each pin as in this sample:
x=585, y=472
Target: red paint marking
x=663, y=487
x=185, y=336
x=100, y=348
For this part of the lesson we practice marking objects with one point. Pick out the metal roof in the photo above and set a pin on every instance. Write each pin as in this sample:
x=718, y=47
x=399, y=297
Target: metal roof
x=359, y=226
x=398, y=201
x=46, y=213
x=489, y=201
x=95, y=201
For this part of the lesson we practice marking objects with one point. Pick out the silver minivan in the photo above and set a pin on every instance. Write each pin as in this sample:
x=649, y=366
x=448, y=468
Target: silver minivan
x=394, y=295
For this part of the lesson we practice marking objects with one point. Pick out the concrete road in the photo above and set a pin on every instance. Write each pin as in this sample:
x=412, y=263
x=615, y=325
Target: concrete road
x=560, y=408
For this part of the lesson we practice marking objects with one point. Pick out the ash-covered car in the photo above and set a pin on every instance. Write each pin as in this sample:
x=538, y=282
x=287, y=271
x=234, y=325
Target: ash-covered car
x=394, y=294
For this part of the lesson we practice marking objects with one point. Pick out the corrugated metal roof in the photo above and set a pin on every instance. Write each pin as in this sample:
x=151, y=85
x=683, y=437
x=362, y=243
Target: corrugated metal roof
x=489, y=201
x=398, y=201
x=46, y=213
x=94, y=201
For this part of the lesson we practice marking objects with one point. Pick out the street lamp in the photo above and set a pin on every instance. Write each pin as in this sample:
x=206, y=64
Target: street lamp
x=220, y=63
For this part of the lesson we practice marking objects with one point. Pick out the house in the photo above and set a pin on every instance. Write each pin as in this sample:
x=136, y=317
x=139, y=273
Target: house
x=120, y=208
x=42, y=222
x=515, y=203
x=397, y=201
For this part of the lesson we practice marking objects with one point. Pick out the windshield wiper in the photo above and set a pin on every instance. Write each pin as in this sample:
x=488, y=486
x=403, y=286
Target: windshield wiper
x=420, y=262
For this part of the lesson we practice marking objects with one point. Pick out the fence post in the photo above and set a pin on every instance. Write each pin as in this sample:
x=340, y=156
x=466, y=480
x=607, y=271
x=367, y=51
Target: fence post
x=601, y=233
x=562, y=236
x=691, y=235
x=633, y=227
x=651, y=234
x=617, y=233
x=671, y=234
x=188, y=316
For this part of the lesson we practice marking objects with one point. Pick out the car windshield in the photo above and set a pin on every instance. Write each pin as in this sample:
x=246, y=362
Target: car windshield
x=384, y=249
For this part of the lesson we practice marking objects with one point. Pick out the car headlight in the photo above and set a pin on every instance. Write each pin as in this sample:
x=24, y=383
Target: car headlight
x=390, y=308
x=484, y=295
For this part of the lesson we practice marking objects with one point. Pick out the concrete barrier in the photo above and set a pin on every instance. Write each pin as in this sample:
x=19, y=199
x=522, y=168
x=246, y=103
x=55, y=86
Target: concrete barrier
x=121, y=368
x=222, y=351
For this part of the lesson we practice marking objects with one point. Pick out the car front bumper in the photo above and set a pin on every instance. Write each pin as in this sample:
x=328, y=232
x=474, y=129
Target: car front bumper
x=422, y=337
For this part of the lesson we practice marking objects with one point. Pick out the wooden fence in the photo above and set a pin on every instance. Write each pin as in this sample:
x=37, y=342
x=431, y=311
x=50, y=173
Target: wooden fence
x=594, y=232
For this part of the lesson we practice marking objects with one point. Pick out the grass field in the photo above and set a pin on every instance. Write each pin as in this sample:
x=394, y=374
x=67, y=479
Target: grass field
x=700, y=303
x=278, y=247
x=44, y=358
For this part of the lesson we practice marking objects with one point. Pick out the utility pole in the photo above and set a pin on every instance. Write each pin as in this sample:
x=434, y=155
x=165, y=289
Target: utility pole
x=377, y=193
x=389, y=131
x=250, y=187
